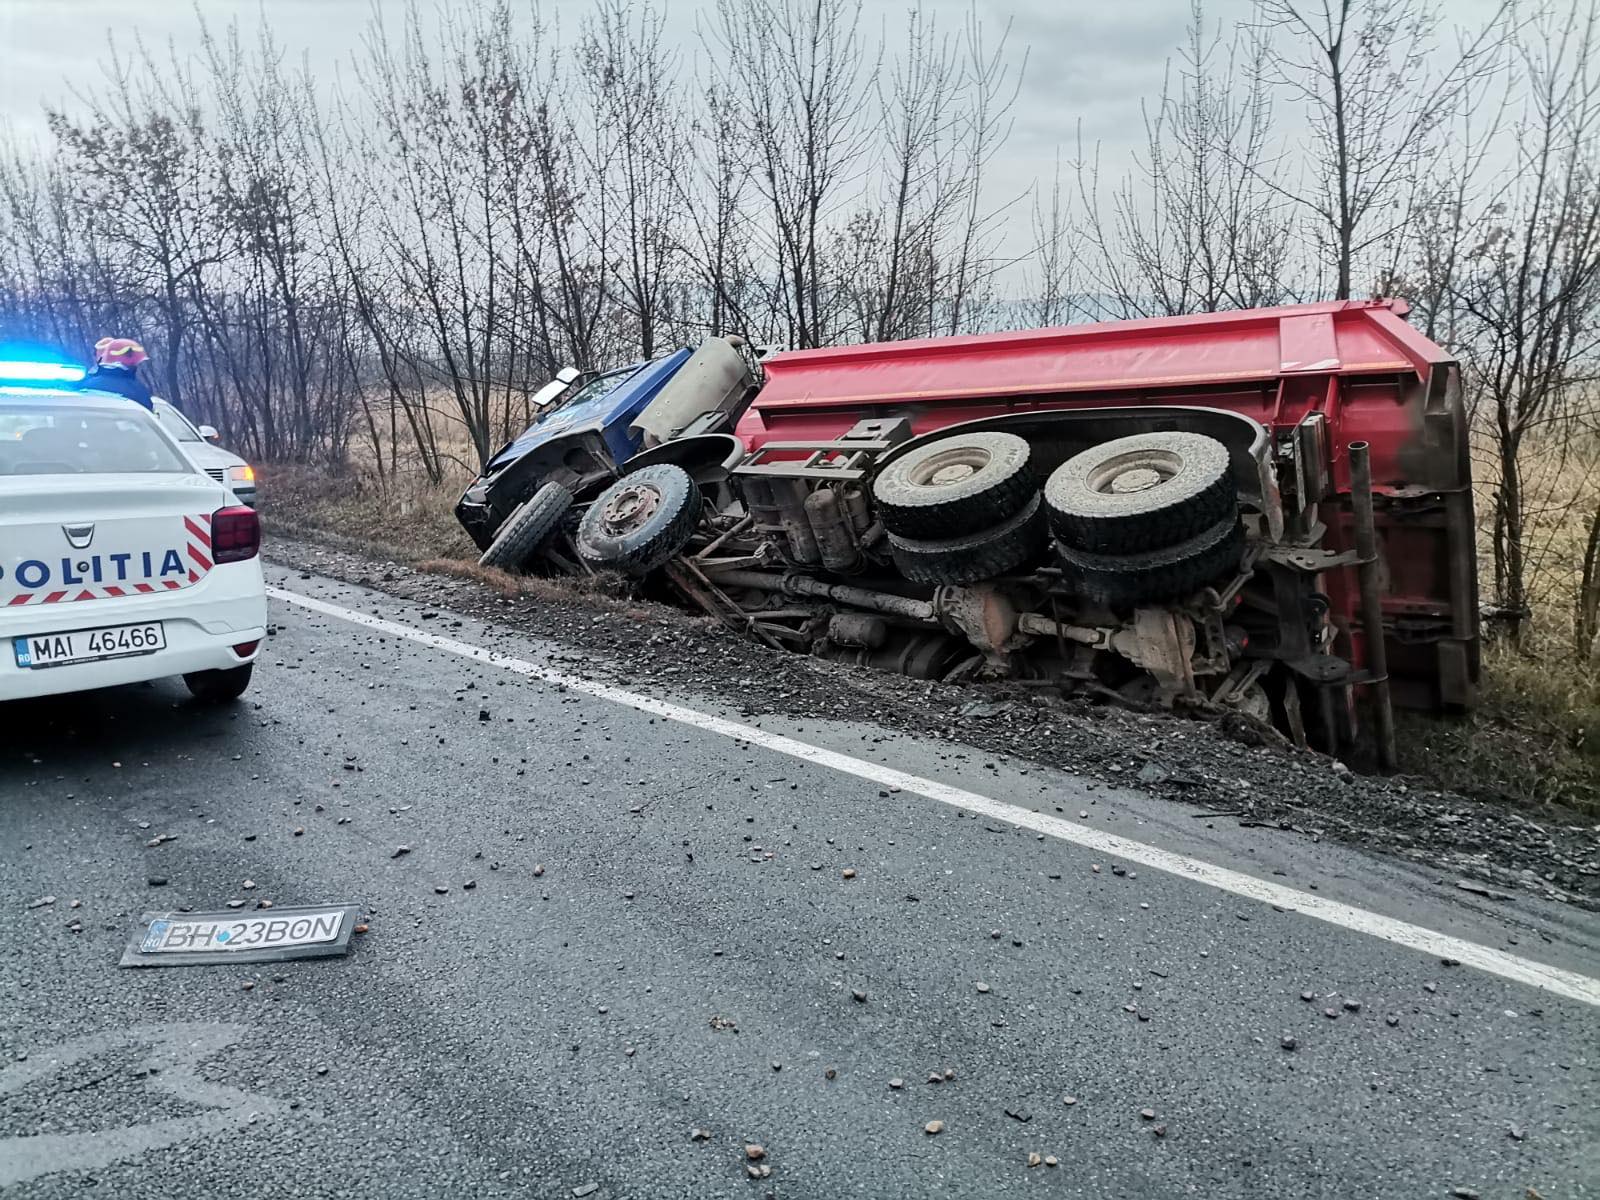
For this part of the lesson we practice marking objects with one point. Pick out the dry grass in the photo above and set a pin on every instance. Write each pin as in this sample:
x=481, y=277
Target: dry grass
x=410, y=521
x=1535, y=737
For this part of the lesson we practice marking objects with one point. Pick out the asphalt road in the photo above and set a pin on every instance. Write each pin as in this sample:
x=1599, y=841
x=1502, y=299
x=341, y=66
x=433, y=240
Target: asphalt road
x=613, y=929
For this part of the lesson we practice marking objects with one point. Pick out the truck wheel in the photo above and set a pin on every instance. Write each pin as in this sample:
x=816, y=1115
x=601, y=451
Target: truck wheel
x=527, y=529
x=1140, y=493
x=976, y=556
x=640, y=521
x=955, y=486
x=1154, y=576
x=221, y=686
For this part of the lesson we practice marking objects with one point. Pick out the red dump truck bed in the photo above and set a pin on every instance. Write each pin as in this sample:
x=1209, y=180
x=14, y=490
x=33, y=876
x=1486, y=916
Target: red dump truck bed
x=1356, y=369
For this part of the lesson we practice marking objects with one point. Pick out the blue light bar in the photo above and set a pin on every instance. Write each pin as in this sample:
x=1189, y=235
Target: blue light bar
x=14, y=371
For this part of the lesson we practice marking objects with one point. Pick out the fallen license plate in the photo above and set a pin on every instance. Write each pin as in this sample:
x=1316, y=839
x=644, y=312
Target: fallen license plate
x=178, y=939
x=40, y=650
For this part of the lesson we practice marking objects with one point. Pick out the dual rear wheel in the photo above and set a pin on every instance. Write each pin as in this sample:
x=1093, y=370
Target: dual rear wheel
x=1143, y=519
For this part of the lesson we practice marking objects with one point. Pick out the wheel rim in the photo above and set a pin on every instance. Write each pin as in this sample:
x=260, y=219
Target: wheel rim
x=947, y=468
x=630, y=509
x=1135, y=471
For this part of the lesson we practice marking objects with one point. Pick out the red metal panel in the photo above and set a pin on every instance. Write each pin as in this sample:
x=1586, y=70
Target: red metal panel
x=1373, y=377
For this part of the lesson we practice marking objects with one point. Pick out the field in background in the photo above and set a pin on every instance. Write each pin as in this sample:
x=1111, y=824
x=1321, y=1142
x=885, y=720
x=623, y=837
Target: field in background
x=1535, y=739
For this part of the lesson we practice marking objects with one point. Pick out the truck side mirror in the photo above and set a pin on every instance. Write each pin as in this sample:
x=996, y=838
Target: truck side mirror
x=209, y=432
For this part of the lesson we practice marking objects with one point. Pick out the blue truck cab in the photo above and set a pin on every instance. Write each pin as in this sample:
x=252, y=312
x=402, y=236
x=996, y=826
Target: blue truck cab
x=580, y=439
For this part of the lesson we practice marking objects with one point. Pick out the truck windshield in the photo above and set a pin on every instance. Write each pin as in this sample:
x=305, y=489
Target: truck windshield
x=594, y=389
x=52, y=439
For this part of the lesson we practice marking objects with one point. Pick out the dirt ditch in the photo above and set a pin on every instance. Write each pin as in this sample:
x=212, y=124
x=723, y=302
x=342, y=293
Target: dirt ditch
x=1219, y=764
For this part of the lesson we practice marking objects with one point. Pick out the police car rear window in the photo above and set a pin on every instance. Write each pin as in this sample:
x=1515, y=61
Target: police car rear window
x=52, y=439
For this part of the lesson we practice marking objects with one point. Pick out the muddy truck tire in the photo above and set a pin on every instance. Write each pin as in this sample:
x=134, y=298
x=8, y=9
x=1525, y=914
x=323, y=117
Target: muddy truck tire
x=641, y=521
x=527, y=529
x=976, y=556
x=1140, y=493
x=955, y=486
x=1123, y=581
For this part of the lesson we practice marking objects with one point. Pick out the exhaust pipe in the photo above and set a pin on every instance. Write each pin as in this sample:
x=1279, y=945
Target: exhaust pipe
x=1377, y=653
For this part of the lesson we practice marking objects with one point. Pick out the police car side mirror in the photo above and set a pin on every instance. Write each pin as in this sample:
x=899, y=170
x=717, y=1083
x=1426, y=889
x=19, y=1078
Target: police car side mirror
x=209, y=432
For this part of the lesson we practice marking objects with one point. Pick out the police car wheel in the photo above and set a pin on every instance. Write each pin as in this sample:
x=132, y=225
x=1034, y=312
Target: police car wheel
x=221, y=686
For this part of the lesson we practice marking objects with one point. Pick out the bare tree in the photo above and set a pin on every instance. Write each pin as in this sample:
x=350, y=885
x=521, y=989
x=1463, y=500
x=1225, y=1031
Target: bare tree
x=1194, y=226
x=989, y=90
x=1530, y=286
x=1368, y=75
x=798, y=72
x=631, y=78
x=139, y=169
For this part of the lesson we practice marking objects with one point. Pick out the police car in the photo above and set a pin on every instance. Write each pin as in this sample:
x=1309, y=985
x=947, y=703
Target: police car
x=120, y=560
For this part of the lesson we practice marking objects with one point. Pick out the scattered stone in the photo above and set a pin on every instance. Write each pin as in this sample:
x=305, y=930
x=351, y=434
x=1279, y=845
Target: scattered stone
x=248, y=885
x=755, y=1151
x=1034, y=1159
x=440, y=890
x=1352, y=1006
x=1288, y=1043
x=1464, y=1193
x=1331, y=1013
x=935, y=1077
x=1391, y=1020
x=1159, y=1131
x=1517, y=1133
x=249, y=985
x=1308, y=997
x=949, y=1074
x=538, y=870
x=585, y=1189
x=157, y=881
x=830, y=1074
x=1069, y=1101
x=400, y=850
x=1148, y=1114
x=469, y=885
x=299, y=831
x=859, y=996
x=1050, y=1160
x=897, y=1083
x=848, y=873
x=699, y=1135
x=1019, y=1114
x=42, y=901
x=983, y=988
x=362, y=928
x=933, y=1127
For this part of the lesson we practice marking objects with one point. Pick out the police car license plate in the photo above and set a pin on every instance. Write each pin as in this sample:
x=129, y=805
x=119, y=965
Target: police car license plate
x=37, y=651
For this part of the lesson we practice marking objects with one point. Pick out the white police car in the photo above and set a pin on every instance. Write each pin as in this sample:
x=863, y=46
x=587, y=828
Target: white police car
x=120, y=560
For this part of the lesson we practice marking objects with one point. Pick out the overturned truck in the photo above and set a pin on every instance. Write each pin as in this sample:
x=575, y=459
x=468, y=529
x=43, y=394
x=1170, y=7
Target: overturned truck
x=1268, y=511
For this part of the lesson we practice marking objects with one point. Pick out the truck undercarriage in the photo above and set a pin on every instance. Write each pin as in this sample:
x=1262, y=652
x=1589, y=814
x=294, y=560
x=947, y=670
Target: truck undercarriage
x=1210, y=511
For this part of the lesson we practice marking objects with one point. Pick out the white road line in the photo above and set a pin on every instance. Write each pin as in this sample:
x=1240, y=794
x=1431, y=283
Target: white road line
x=1401, y=933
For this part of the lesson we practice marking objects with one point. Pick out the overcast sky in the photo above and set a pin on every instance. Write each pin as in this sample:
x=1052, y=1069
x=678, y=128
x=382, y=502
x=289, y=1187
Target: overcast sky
x=1089, y=61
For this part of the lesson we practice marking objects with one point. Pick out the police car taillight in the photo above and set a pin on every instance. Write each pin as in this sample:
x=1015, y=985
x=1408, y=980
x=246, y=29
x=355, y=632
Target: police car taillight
x=235, y=534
